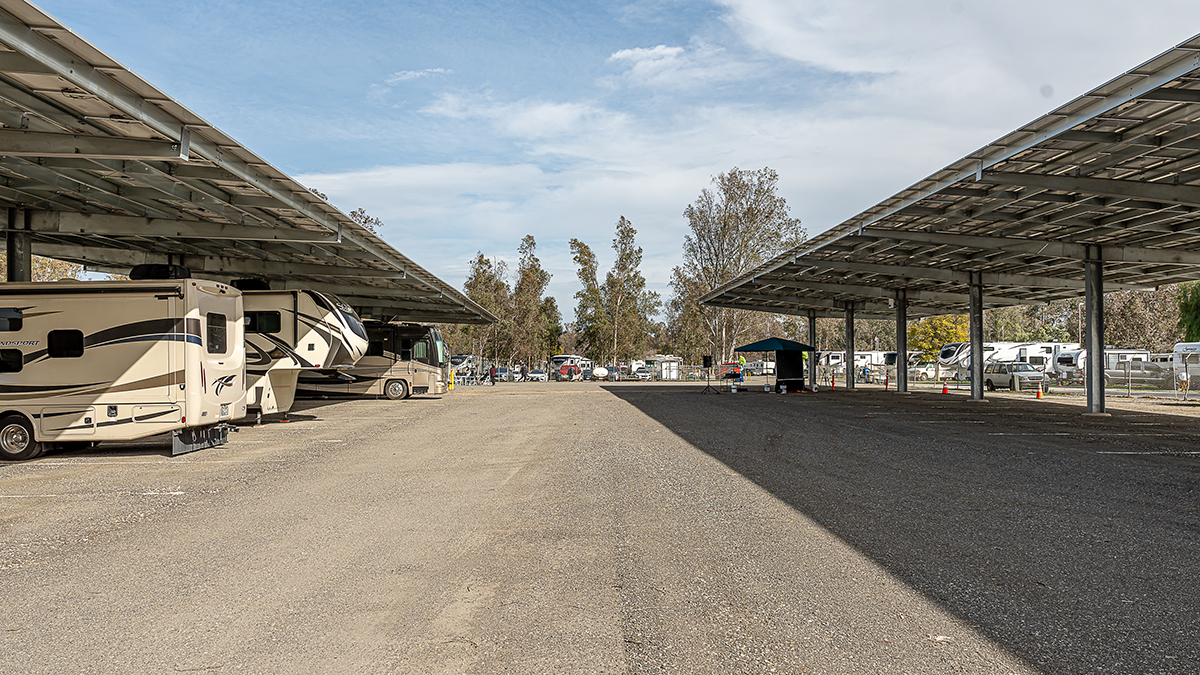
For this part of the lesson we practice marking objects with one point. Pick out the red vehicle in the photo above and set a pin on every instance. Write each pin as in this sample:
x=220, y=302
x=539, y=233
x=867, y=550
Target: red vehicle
x=729, y=370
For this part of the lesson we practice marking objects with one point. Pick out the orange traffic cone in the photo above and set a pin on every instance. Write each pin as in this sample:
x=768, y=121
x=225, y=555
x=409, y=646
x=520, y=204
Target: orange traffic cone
x=1039, y=394
x=945, y=389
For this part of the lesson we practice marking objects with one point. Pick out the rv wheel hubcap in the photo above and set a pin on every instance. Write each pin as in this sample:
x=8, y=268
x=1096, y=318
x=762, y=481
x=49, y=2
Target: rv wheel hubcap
x=394, y=389
x=14, y=439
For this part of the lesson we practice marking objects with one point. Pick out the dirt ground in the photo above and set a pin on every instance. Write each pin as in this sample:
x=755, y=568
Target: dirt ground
x=620, y=528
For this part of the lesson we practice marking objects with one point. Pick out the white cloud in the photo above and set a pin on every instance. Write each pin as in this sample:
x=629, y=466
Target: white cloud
x=908, y=88
x=406, y=75
x=697, y=65
x=526, y=119
x=377, y=94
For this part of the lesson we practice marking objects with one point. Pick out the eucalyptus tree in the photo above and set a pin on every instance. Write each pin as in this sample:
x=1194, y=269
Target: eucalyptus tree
x=487, y=285
x=737, y=225
x=614, y=319
x=534, y=317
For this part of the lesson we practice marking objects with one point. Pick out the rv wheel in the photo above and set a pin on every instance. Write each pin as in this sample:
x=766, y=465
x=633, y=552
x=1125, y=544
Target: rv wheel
x=16, y=439
x=396, y=390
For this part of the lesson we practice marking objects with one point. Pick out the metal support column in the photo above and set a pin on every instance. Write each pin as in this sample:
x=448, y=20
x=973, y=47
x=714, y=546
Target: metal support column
x=902, y=341
x=19, y=245
x=850, y=345
x=1094, y=330
x=976, y=332
x=812, y=342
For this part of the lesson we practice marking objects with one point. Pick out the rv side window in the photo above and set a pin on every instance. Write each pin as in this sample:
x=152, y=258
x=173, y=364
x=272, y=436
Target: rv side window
x=1037, y=360
x=405, y=350
x=11, y=361
x=217, y=344
x=375, y=348
x=10, y=319
x=421, y=350
x=64, y=344
x=263, y=322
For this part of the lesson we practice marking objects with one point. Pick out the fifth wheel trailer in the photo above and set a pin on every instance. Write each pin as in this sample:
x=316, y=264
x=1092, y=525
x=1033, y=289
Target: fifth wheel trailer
x=287, y=331
x=402, y=359
x=86, y=362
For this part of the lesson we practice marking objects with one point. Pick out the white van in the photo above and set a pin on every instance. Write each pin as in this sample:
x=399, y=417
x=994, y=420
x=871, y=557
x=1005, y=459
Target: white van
x=85, y=362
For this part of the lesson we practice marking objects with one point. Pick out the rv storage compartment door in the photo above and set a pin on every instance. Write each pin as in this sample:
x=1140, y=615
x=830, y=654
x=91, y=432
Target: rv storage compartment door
x=68, y=421
x=157, y=414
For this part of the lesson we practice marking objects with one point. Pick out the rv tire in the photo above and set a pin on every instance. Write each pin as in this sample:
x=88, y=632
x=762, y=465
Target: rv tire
x=16, y=439
x=395, y=390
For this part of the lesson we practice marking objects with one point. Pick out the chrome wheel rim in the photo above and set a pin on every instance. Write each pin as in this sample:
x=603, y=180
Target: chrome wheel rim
x=14, y=439
x=395, y=389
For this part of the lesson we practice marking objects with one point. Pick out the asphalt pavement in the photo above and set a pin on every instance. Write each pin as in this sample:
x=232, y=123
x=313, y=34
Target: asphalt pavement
x=619, y=528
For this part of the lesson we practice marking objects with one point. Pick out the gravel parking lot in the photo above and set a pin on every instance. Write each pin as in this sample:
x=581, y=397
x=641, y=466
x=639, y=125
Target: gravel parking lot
x=605, y=528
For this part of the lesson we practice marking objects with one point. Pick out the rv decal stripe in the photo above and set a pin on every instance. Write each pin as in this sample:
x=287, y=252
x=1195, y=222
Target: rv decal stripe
x=18, y=392
x=162, y=337
x=134, y=329
x=39, y=388
x=287, y=349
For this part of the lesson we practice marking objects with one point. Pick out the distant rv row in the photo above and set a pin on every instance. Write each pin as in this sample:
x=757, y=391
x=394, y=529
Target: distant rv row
x=87, y=362
x=1065, y=362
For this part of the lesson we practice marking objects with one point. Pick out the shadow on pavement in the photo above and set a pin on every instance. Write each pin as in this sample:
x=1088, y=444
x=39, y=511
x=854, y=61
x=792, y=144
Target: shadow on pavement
x=1055, y=536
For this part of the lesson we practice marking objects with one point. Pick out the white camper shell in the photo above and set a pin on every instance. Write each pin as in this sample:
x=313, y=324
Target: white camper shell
x=289, y=331
x=85, y=362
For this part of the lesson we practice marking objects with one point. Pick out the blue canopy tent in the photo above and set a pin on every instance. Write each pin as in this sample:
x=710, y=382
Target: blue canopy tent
x=789, y=360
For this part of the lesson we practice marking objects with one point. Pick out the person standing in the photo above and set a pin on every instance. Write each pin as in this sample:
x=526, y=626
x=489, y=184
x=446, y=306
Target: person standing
x=492, y=375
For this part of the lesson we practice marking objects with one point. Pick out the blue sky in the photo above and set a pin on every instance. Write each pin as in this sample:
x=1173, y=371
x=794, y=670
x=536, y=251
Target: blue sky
x=466, y=125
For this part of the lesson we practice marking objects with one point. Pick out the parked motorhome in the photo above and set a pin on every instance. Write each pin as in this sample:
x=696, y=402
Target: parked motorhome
x=1071, y=365
x=402, y=359
x=88, y=362
x=1185, y=360
x=287, y=331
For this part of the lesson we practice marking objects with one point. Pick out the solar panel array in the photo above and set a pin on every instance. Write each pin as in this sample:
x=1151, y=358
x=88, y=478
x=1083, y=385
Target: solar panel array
x=1113, y=175
x=110, y=172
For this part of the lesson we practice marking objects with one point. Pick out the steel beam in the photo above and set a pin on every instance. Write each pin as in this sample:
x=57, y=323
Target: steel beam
x=812, y=342
x=1041, y=247
x=18, y=143
x=850, y=345
x=1168, y=193
x=795, y=311
x=936, y=274
x=1094, y=304
x=65, y=222
x=797, y=301
x=901, y=340
x=362, y=290
x=19, y=249
x=976, y=333
x=213, y=265
x=889, y=293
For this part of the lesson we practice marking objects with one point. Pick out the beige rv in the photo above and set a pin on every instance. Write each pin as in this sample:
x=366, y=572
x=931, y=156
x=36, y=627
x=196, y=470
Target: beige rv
x=287, y=331
x=402, y=359
x=85, y=362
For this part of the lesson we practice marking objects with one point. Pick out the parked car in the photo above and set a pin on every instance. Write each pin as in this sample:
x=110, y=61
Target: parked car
x=1138, y=374
x=642, y=374
x=537, y=375
x=614, y=374
x=1004, y=375
x=503, y=374
x=587, y=375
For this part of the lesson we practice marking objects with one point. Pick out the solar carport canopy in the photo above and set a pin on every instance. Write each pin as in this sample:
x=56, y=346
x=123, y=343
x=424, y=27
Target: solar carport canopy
x=1112, y=177
x=99, y=167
